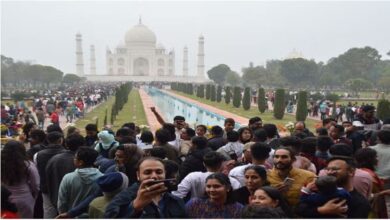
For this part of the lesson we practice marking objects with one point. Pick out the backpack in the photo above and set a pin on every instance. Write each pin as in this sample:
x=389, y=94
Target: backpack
x=105, y=152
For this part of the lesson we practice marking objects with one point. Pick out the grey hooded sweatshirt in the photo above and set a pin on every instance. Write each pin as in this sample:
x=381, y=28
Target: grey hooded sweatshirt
x=77, y=186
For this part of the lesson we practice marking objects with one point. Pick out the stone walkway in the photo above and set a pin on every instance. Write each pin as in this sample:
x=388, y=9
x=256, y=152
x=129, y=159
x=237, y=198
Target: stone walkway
x=147, y=103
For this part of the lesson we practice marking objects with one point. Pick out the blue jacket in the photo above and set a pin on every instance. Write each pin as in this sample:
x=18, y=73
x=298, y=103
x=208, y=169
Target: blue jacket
x=120, y=206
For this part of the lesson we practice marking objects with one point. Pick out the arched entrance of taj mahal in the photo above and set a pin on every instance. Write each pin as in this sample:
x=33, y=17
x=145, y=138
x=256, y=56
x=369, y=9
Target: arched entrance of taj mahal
x=141, y=67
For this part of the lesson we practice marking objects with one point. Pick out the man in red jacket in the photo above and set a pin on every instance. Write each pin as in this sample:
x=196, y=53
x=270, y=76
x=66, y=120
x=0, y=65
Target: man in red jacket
x=55, y=118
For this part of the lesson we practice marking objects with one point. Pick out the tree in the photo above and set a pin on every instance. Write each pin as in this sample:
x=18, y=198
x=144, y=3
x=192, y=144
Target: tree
x=71, y=78
x=233, y=79
x=219, y=93
x=246, y=100
x=384, y=83
x=228, y=94
x=299, y=71
x=213, y=93
x=200, y=91
x=251, y=75
x=237, y=97
x=208, y=91
x=301, y=113
x=279, y=104
x=190, y=89
x=383, y=109
x=354, y=63
x=218, y=73
x=105, y=118
x=359, y=84
x=261, y=102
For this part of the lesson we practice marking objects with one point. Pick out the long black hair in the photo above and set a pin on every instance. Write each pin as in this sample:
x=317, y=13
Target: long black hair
x=13, y=163
x=276, y=195
x=224, y=180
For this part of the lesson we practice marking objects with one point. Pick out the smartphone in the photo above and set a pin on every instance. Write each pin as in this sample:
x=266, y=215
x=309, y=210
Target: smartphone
x=166, y=181
x=288, y=181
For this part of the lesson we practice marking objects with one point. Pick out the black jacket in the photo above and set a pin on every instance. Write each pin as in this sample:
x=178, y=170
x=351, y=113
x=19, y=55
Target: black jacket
x=193, y=162
x=35, y=149
x=56, y=168
x=121, y=207
x=359, y=207
x=216, y=142
x=43, y=158
x=241, y=195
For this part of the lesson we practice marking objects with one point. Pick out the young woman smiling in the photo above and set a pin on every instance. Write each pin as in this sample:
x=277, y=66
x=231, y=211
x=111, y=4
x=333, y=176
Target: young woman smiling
x=255, y=177
x=269, y=196
x=218, y=203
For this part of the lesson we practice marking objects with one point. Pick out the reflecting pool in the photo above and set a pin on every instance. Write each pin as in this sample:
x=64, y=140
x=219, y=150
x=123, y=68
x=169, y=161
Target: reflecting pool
x=171, y=106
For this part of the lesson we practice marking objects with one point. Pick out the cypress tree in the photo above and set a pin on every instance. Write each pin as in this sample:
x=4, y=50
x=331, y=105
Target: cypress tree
x=219, y=93
x=261, y=102
x=383, y=109
x=246, y=100
x=208, y=91
x=228, y=94
x=105, y=117
x=213, y=93
x=201, y=91
x=97, y=122
x=279, y=104
x=237, y=97
x=190, y=89
x=301, y=113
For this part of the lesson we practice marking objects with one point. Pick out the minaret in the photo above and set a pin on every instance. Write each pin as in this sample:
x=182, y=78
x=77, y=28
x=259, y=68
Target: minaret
x=93, y=61
x=79, y=56
x=200, y=74
x=185, y=62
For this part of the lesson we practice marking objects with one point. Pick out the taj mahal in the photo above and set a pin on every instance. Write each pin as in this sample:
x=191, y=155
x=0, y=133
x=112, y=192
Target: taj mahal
x=139, y=58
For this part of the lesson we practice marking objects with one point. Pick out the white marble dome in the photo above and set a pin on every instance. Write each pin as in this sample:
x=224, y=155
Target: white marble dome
x=140, y=35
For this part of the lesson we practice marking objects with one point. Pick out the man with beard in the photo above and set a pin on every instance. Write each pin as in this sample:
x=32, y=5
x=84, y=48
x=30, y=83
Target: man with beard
x=287, y=179
x=255, y=123
x=368, y=119
x=343, y=168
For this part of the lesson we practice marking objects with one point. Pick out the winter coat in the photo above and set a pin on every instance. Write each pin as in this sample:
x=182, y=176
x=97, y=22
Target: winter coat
x=193, y=162
x=77, y=186
x=121, y=207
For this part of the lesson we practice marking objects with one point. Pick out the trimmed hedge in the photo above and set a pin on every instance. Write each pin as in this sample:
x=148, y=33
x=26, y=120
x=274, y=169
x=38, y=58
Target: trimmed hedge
x=246, y=100
x=228, y=94
x=279, y=104
x=213, y=93
x=200, y=91
x=237, y=97
x=219, y=93
x=208, y=91
x=383, y=109
x=301, y=113
x=261, y=102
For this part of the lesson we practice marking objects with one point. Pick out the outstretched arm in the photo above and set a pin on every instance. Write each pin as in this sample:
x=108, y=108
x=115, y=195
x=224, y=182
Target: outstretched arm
x=158, y=116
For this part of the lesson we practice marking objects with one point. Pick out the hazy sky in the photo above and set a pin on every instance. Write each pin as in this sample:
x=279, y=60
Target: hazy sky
x=235, y=32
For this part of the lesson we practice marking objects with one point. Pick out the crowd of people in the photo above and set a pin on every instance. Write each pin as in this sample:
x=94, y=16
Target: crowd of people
x=341, y=170
x=71, y=102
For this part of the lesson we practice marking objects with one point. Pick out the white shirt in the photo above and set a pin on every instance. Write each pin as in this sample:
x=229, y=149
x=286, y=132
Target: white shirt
x=195, y=183
x=230, y=147
x=238, y=173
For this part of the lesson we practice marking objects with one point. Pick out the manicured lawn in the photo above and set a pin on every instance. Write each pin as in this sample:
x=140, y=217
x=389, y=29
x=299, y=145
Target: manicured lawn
x=98, y=112
x=267, y=117
x=132, y=111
